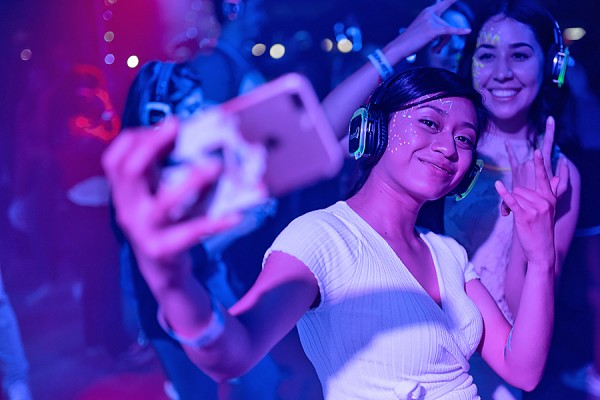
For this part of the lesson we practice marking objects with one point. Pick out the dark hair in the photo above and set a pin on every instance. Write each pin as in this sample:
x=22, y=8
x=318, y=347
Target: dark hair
x=405, y=89
x=542, y=23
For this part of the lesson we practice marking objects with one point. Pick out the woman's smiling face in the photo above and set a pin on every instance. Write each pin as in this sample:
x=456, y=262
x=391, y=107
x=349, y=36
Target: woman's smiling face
x=507, y=67
x=430, y=147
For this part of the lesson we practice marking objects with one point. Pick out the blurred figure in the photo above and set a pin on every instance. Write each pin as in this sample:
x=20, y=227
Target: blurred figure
x=445, y=52
x=84, y=123
x=14, y=367
x=204, y=42
x=61, y=199
x=582, y=116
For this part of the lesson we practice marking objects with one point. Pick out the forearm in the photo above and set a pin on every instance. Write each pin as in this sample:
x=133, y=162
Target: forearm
x=186, y=308
x=527, y=348
x=353, y=92
x=515, y=276
x=345, y=98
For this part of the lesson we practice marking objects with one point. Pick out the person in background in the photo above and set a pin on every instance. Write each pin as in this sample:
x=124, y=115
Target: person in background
x=583, y=117
x=446, y=52
x=509, y=57
x=14, y=367
x=203, y=41
x=384, y=309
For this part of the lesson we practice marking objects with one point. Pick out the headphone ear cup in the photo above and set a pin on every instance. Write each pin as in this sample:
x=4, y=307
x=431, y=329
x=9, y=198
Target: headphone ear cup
x=377, y=138
x=358, y=134
x=558, y=57
x=468, y=181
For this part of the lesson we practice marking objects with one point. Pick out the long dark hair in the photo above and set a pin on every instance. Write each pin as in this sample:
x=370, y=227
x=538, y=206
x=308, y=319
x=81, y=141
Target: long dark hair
x=406, y=89
x=549, y=100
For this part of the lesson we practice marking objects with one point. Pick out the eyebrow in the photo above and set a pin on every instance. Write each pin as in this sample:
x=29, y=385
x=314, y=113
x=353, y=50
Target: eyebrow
x=434, y=108
x=512, y=46
x=445, y=113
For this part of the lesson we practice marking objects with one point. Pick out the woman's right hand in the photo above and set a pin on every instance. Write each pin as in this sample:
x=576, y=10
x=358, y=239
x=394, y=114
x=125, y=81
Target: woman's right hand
x=145, y=206
x=426, y=27
x=534, y=211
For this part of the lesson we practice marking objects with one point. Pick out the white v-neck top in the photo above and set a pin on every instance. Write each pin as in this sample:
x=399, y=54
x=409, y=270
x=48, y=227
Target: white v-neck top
x=377, y=334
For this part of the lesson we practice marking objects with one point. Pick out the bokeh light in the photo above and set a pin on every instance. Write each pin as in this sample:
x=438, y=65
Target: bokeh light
x=327, y=45
x=26, y=54
x=258, y=49
x=344, y=46
x=574, y=33
x=109, y=36
x=277, y=51
x=133, y=61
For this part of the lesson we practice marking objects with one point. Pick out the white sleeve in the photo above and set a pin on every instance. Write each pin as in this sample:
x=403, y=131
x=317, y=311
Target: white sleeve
x=325, y=245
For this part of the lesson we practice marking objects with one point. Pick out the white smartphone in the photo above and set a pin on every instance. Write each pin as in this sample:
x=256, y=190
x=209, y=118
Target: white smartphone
x=273, y=140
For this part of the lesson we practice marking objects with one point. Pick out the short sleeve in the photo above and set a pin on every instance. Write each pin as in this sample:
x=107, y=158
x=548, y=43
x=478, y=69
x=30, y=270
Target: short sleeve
x=470, y=273
x=325, y=244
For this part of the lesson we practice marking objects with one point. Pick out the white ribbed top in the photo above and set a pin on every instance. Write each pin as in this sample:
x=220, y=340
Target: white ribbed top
x=377, y=334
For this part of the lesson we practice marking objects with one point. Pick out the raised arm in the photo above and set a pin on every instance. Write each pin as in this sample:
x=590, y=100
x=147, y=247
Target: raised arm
x=352, y=93
x=519, y=354
x=223, y=343
x=567, y=213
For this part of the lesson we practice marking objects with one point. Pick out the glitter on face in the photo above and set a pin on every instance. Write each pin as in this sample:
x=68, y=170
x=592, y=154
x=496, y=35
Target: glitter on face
x=487, y=37
x=400, y=138
x=476, y=67
x=490, y=38
x=445, y=105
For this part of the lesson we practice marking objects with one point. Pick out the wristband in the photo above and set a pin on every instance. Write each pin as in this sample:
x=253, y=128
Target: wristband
x=381, y=64
x=208, y=335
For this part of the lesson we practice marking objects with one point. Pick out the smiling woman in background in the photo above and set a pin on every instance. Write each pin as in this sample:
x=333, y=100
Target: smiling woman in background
x=509, y=56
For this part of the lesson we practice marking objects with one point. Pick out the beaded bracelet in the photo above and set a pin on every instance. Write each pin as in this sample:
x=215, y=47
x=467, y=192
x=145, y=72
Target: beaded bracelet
x=381, y=64
x=209, y=334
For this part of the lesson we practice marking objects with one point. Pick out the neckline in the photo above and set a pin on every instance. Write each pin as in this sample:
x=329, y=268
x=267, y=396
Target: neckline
x=440, y=306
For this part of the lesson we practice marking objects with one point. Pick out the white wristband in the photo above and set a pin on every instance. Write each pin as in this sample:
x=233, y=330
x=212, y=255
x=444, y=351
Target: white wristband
x=209, y=334
x=381, y=64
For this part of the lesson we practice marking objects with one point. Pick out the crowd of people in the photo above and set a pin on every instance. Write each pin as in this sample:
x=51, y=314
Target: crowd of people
x=429, y=270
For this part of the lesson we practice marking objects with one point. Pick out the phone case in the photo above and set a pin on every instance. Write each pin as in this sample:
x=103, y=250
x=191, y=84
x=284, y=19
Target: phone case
x=283, y=116
x=286, y=116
